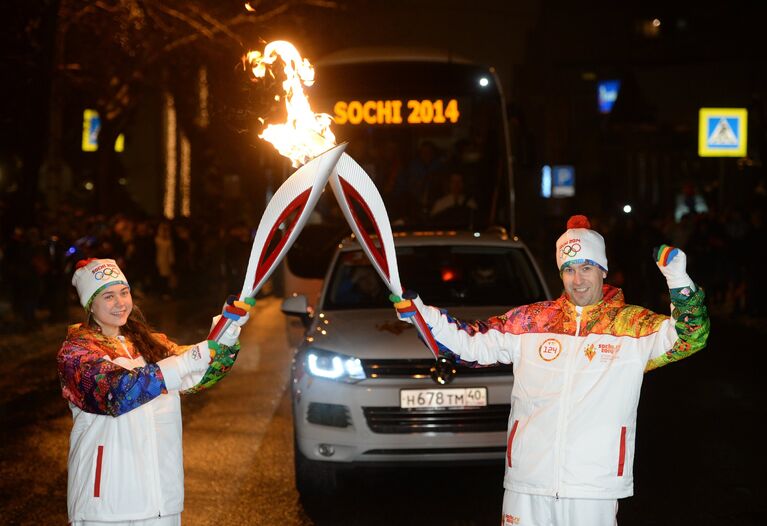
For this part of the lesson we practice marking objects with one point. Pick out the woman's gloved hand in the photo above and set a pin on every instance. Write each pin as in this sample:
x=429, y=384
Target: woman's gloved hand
x=194, y=360
x=672, y=263
x=239, y=313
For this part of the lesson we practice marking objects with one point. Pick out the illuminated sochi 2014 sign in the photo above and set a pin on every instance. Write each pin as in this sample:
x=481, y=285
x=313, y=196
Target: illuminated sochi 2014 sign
x=411, y=111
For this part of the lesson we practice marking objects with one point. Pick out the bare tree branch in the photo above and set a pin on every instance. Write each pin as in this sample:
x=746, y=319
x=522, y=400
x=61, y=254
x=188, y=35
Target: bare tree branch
x=326, y=4
x=157, y=19
x=238, y=20
x=221, y=26
x=186, y=19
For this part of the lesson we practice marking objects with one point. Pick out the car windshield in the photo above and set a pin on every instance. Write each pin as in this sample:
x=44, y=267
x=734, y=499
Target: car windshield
x=445, y=276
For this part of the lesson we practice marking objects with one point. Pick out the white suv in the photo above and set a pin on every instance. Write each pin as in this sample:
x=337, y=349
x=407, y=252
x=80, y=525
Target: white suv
x=367, y=392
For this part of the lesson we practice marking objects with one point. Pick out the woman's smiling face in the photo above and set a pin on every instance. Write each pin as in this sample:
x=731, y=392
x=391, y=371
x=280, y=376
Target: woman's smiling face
x=112, y=307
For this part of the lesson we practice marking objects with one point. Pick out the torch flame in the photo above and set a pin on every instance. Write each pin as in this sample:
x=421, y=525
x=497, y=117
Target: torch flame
x=304, y=134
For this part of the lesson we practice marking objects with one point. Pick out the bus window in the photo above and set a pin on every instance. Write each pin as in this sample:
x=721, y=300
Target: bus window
x=417, y=126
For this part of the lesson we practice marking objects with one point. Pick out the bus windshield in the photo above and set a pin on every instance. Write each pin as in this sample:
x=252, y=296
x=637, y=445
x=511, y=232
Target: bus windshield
x=430, y=133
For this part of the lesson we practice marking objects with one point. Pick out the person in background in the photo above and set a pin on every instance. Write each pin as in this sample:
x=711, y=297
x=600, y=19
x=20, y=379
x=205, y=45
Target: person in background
x=184, y=258
x=122, y=384
x=143, y=260
x=454, y=208
x=415, y=185
x=165, y=260
x=578, y=362
x=22, y=266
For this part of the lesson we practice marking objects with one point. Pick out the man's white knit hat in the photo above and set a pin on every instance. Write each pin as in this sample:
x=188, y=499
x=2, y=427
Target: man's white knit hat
x=580, y=244
x=92, y=275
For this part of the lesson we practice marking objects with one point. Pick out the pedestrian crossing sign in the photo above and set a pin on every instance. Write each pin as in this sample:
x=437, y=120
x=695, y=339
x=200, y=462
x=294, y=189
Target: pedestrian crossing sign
x=722, y=132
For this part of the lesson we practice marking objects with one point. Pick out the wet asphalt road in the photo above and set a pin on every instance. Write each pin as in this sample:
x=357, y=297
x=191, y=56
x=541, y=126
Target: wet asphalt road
x=699, y=455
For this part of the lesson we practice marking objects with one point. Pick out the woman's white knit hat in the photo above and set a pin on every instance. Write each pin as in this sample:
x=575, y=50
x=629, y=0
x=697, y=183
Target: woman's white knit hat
x=92, y=275
x=580, y=244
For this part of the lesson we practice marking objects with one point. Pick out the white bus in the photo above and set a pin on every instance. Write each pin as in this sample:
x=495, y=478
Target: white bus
x=429, y=127
x=414, y=118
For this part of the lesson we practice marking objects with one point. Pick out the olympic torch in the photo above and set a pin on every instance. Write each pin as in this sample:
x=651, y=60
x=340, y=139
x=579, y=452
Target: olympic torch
x=299, y=139
x=305, y=138
x=289, y=208
x=352, y=185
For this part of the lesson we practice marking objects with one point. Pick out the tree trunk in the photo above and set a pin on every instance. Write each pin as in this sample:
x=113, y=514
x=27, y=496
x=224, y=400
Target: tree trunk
x=53, y=158
x=107, y=170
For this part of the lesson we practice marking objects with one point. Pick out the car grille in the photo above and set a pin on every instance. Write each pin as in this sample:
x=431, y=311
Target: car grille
x=471, y=420
x=421, y=368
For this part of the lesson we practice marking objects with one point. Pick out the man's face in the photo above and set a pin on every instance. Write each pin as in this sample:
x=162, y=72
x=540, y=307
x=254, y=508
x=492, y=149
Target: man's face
x=583, y=283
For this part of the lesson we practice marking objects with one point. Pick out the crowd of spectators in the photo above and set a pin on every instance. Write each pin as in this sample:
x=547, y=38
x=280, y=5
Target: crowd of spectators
x=163, y=258
x=720, y=247
x=182, y=257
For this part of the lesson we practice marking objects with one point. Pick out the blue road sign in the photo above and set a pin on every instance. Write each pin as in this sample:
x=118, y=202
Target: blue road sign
x=563, y=181
x=722, y=132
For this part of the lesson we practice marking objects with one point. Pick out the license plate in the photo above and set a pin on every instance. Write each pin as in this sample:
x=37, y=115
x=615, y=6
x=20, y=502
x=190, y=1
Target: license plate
x=447, y=397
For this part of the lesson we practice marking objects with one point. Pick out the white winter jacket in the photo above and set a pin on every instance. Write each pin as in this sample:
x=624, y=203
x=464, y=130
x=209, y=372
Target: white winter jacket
x=125, y=455
x=577, y=377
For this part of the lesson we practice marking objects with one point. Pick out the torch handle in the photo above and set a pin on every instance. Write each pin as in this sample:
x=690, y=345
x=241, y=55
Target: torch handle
x=221, y=326
x=223, y=322
x=425, y=332
x=418, y=321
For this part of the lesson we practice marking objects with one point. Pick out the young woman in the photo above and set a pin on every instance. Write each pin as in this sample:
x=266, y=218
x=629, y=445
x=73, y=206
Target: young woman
x=122, y=383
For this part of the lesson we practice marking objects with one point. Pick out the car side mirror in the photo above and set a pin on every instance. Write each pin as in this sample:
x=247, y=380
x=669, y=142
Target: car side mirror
x=297, y=305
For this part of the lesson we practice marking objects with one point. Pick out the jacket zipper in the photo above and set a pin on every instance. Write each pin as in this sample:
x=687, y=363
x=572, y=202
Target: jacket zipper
x=563, y=413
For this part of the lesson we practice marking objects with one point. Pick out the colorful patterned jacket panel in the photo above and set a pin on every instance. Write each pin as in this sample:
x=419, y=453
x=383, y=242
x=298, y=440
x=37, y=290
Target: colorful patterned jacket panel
x=95, y=376
x=691, y=323
x=611, y=316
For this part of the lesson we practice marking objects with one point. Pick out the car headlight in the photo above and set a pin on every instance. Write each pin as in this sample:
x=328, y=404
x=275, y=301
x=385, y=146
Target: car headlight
x=334, y=366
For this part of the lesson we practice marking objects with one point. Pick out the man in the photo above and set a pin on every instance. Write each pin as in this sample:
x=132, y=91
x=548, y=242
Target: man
x=454, y=199
x=578, y=365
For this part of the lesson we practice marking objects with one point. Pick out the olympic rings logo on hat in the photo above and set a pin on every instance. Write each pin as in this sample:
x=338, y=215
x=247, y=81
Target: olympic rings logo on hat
x=571, y=250
x=109, y=273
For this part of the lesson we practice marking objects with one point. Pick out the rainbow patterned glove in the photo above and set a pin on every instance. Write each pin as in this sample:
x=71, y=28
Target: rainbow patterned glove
x=239, y=313
x=672, y=263
x=222, y=360
x=406, y=305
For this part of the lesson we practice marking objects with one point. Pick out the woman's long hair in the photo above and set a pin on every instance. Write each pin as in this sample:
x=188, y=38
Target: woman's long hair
x=137, y=330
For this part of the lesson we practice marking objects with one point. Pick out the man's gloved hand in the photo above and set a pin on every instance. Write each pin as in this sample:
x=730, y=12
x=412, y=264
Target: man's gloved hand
x=239, y=313
x=672, y=263
x=406, y=305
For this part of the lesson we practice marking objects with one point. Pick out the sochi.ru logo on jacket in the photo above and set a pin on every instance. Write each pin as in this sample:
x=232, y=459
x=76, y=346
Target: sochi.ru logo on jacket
x=608, y=351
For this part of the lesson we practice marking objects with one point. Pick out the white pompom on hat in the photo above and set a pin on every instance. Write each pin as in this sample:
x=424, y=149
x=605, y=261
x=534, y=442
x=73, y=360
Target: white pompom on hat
x=92, y=275
x=580, y=244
